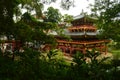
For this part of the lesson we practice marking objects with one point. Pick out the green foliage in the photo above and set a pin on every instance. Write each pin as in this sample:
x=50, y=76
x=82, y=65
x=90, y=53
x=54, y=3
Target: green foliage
x=107, y=12
x=67, y=18
x=34, y=65
x=30, y=30
x=23, y=32
x=7, y=67
x=28, y=64
x=31, y=64
x=9, y=8
x=52, y=15
x=27, y=28
x=89, y=67
x=32, y=5
x=6, y=16
x=79, y=58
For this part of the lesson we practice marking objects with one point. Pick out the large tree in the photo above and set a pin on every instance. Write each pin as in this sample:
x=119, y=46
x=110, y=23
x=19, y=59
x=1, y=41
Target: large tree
x=52, y=15
x=108, y=14
x=9, y=8
x=24, y=27
x=6, y=15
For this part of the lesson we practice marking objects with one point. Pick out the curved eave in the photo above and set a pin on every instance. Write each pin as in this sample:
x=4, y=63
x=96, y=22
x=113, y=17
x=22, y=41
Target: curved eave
x=87, y=28
x=84, y=42
x=81, y=33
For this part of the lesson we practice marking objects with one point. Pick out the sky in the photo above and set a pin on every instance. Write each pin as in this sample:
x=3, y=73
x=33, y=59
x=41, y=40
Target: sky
x=79, y=6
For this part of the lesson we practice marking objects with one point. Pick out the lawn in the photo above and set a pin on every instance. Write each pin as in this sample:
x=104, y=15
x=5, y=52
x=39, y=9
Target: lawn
x=116, y=53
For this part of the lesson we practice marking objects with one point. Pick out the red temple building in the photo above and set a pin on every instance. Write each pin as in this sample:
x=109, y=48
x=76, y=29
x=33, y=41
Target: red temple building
x=83, y=36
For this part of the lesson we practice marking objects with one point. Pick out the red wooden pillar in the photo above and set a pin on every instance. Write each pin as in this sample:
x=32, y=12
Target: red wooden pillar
x=62, y=48
x=70, y=50
x=84, y=49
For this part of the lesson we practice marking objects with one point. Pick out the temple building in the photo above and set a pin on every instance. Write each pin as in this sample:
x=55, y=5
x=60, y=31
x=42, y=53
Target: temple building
x=83, y=36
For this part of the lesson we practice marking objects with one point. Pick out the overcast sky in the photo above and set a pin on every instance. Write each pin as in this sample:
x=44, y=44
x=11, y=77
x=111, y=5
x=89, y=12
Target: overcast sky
x=79, y=5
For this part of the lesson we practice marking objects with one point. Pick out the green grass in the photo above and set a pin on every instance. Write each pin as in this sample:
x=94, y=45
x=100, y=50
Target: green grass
x=116, y=53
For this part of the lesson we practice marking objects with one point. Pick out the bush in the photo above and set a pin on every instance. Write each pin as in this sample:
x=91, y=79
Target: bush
x=33, y=65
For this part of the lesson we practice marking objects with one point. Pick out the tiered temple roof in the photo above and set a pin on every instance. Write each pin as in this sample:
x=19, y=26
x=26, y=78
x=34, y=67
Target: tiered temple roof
x=84, y=36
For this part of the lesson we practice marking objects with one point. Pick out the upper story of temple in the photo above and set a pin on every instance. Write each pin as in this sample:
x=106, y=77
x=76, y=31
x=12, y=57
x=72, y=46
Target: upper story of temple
x=82, y=26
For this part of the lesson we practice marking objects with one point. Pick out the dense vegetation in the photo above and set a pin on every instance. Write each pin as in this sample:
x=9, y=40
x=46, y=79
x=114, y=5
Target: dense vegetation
x=32, y=64
x=108, y=14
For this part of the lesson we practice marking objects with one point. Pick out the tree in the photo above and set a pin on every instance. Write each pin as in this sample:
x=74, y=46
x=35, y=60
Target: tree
x=107, y=12
x=29, y=29
x=67, y=18
x=6, y=16
x=38, y=5
x=9, y=8
x=52, y=15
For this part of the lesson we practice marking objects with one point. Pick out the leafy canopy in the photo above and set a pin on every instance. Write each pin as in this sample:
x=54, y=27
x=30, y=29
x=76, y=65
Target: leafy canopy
x=108, y=14
x=52, y=15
